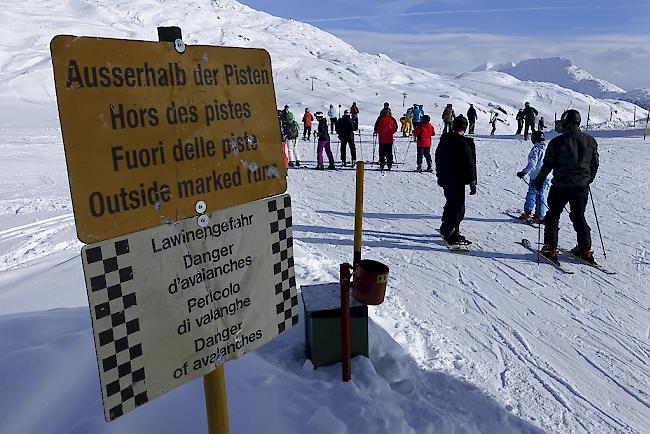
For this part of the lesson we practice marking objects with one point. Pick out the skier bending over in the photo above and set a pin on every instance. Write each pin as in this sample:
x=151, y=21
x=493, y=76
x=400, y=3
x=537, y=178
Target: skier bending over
x=573, y=158
x=534, y=197
x=455, y=168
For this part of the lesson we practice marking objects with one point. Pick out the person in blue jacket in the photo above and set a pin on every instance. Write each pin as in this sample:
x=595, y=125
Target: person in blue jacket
x=535, y=198
x=417, y=115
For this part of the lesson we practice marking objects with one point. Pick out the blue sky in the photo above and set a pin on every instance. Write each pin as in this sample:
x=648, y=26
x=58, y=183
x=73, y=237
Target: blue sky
x=610, y=39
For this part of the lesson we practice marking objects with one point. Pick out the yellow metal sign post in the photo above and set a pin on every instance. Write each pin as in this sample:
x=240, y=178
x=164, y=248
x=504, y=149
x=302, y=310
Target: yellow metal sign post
x=155, y=132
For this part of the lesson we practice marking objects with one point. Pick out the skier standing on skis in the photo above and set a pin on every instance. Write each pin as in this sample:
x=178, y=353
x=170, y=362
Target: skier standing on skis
x=345, y=131
x=520, y=121
x=534, y=197
x=573, y=158
x=455, y=168
x=354, y=113
x=493, y=122
x=292, y=133
x=385, y=127
x=448, y=116
x=307, y=119
x=331, y=113
x=323, y=143
x=471, y=118
x=423, y=134
x=529, y=119
x=417, y=115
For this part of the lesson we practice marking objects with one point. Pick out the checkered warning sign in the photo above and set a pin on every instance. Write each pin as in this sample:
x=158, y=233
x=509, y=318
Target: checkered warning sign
x=171, y=303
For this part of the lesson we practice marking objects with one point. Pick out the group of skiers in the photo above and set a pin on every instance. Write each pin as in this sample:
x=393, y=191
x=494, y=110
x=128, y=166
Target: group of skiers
x=571, y=156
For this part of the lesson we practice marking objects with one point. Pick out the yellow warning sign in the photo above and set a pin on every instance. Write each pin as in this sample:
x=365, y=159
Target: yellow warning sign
x=152, y=128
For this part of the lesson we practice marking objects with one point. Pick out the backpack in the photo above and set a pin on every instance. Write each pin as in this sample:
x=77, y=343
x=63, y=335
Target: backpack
x=293, y=130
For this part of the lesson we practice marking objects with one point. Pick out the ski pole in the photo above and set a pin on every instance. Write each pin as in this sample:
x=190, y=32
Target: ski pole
x=407, y=151
x=539, y=237
x=373, y=148
x=597, y=224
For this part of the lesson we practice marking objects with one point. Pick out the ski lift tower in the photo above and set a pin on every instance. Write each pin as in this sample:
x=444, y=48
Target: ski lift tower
x=404, y=99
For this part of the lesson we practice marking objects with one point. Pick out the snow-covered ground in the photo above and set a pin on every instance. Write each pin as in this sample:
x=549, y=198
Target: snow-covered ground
x=489, y=342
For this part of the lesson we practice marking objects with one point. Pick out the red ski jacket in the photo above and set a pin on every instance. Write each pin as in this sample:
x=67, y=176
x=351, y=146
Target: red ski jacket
x=423, y=134
x=307, y=119
x=385, y=127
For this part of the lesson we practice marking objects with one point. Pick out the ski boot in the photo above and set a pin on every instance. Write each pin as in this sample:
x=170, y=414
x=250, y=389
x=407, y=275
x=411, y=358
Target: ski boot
x=429, y=169
x=525, y=216
x=297, y=163
x=584, y=254
x=550, y=252
x=538, y=218
x=331, y=167
x=320, y=168
x=290, y=163
x=419, y=169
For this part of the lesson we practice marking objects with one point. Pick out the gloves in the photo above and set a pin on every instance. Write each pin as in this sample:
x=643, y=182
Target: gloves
x=521, y=174
x=472, y=189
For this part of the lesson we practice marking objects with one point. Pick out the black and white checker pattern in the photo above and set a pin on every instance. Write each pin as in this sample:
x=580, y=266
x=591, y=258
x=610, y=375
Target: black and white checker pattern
x=284, y=278
x=115, y=314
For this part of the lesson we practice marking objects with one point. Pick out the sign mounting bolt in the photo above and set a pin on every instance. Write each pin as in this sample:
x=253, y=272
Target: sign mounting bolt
x=203, y=221
x=179, y=45
x=200, y=207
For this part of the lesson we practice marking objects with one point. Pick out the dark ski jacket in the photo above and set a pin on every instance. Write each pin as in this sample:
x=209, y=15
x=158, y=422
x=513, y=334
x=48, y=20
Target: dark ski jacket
x=573, y=158
x=455, y=160
x=471, y=114
x=323, y=131
x=529, y=114
x=520, y=115
x=344, y=127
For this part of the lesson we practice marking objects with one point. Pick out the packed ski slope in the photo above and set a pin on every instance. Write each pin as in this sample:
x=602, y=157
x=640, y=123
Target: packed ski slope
x=488, y=342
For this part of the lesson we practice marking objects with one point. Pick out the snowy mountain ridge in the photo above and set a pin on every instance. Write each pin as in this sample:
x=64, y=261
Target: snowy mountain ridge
x=565, y=73
x=301, y=55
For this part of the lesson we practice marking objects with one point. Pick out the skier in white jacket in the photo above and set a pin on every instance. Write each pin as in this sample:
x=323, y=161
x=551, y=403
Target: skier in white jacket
x=331, y=113
x=535, y=198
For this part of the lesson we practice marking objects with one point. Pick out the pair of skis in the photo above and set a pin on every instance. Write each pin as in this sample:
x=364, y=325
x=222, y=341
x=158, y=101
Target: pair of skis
x=561, y=267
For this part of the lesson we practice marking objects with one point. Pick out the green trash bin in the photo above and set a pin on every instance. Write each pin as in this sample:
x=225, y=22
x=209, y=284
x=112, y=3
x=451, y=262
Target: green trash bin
x=322, y=306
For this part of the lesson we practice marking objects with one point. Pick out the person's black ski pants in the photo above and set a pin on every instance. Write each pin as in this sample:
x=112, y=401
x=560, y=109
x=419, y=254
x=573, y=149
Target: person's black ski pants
x=520, y=126
x=577, y=198
x=306, y=132
x=353, y=149
x=386, y=155
x=448, y=127
x=528, y=125
x=472, y=124
x=454, y=210
x=426, y=153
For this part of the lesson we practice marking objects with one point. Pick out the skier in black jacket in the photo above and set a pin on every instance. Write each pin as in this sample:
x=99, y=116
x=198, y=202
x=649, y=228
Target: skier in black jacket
x=455, y=168
x=529, y=119
x=471, y=118
x=345, y=131
x=573, y=158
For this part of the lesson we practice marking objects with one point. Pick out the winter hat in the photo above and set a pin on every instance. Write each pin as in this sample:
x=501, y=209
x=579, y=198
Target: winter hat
x=384, y=112
x=319, y=114
x=307, y=109
x=537, y=136
x=426, y=119
x=460, y=123
x=346, y=112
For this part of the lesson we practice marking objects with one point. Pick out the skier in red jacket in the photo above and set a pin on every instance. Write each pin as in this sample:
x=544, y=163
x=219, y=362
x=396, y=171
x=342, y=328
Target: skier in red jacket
x=307, y=119
x=385, y=127
x=423, y=134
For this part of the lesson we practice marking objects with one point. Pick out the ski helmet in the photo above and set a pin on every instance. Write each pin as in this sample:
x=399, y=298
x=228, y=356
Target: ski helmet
x=459, y=123
x=426, y=119
x=571, y=116
x=537, y=136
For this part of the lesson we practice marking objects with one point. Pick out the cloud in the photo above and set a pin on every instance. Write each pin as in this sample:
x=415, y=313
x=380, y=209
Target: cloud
x=622, y=59
x=456, y=11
